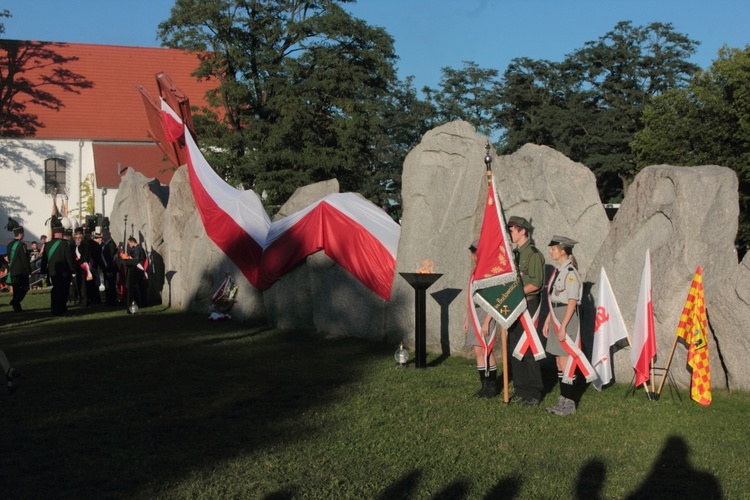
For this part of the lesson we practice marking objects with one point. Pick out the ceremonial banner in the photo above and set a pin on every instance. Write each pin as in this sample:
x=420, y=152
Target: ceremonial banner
x=609, y=327
x=495, y=284
x=693, y=329
x=643, y=349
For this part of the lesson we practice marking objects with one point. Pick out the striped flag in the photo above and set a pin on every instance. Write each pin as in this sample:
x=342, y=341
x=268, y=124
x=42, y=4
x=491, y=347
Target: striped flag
x=643, y=348
x=353, y=232
x=693, y=329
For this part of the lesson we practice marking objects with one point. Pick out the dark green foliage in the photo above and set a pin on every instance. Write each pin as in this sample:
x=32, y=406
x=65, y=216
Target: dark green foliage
x=468, y=94
x=707, y=123
x=308, y=93
x=589, y=106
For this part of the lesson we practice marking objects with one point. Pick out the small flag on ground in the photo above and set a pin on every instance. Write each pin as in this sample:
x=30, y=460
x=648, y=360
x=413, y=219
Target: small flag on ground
x=693, y=328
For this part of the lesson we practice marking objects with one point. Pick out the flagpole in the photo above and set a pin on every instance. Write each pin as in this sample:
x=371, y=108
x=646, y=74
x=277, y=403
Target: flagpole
x=503, y=331
x=666, y=369
x=652, y=375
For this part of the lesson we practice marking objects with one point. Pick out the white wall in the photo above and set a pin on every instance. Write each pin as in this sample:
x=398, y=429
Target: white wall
x=22, y=195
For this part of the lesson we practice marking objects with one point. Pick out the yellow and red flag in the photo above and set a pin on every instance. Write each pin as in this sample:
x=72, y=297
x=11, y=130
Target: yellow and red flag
x=693, y=329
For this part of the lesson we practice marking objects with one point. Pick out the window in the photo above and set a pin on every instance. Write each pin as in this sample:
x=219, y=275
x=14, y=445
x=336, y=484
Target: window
x=54, y=176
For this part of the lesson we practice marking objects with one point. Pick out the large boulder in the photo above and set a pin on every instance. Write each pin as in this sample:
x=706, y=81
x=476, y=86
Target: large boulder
x=687, y=217
x=195, y=266
x=138, y=211
x=444, y=186
x=305, y=196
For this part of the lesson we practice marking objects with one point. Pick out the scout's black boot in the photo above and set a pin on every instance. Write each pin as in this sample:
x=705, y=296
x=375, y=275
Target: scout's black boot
x=481, y=393
x=492, y=389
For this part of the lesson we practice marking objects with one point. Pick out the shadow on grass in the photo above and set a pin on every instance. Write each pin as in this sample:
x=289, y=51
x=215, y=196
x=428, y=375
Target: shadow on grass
x=119, y=405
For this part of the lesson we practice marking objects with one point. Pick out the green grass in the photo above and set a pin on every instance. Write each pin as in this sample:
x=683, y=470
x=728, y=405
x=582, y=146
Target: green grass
x=170, y=405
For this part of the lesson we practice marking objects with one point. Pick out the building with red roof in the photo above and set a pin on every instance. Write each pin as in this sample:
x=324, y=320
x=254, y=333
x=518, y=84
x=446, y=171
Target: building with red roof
x=80, y=150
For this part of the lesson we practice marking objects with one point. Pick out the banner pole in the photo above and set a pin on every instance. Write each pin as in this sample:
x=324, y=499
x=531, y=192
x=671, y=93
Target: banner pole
x=666, y=368
x=504, y=346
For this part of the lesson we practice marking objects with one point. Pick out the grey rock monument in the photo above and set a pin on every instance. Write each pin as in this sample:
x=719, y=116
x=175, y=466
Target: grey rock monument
x=686, y=216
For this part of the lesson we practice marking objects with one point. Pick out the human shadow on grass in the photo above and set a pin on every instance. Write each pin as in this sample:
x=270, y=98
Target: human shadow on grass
x=590, y=480
x=673, y=476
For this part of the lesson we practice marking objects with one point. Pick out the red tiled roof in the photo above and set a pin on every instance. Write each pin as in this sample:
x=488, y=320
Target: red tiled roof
x=111, y=159
x=113, y=109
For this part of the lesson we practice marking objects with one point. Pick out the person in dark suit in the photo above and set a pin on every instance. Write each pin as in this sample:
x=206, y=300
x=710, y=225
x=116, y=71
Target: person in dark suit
x=57, y=263
x=95, y=253
x=19, y=268
x=109, y=266
x=83, y=274
x=136, y=276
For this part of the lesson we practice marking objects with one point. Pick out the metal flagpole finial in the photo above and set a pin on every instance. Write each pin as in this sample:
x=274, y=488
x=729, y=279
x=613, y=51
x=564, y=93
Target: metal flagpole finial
x=488, y=162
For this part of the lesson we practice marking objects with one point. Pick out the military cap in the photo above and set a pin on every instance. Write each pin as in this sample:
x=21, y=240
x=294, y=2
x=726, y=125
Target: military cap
x=562, y=240
x=520, y=222
x=68, y=232
x=18, y=230
x=57, y=230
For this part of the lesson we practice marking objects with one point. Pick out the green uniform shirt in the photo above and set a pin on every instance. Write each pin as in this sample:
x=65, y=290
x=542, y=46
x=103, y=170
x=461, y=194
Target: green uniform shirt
x=531, y=265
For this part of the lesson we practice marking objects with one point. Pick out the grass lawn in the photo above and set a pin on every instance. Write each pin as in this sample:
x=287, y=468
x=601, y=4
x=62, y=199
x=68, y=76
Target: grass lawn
x=166, y=404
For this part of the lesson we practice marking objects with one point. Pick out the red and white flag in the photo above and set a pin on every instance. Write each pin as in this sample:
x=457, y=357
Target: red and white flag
x=609, y=327
x=352, y=231
x=643, y=348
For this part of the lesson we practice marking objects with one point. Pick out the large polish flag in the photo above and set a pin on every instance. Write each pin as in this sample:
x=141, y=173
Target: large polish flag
x=643, y=349
x=352, y=231
x=609, y=327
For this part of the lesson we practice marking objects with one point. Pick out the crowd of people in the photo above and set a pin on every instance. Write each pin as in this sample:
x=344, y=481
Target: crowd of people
x=564, y=293
x=84, y=267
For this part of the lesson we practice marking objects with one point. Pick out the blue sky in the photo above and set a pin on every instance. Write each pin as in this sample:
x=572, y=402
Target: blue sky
x=428, y=34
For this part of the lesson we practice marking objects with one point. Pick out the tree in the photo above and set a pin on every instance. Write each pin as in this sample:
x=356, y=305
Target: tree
x=305, y=93
x=19, y=59
x=3, y=13
x=468, y=94
x=589, y=106
x=707, y=123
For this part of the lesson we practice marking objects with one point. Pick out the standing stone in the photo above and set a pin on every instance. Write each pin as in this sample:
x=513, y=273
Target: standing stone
x=444, y=187
x=195, y=266
x=686, y=216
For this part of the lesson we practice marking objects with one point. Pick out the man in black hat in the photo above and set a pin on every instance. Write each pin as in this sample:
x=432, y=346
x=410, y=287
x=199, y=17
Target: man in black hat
x=136, y=276
x=109, y=265
x=57, y=263
x=527, y=374
x=19, y=268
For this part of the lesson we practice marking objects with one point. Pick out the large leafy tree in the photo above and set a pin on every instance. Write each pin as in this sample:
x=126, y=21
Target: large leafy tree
x=589, y=106
x=306, y=92
x=707, y=123
x=469, y=94
x=18, y=90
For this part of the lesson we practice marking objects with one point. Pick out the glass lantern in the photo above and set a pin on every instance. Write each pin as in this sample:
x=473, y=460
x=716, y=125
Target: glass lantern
x=401, y=356
x=133, y=308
